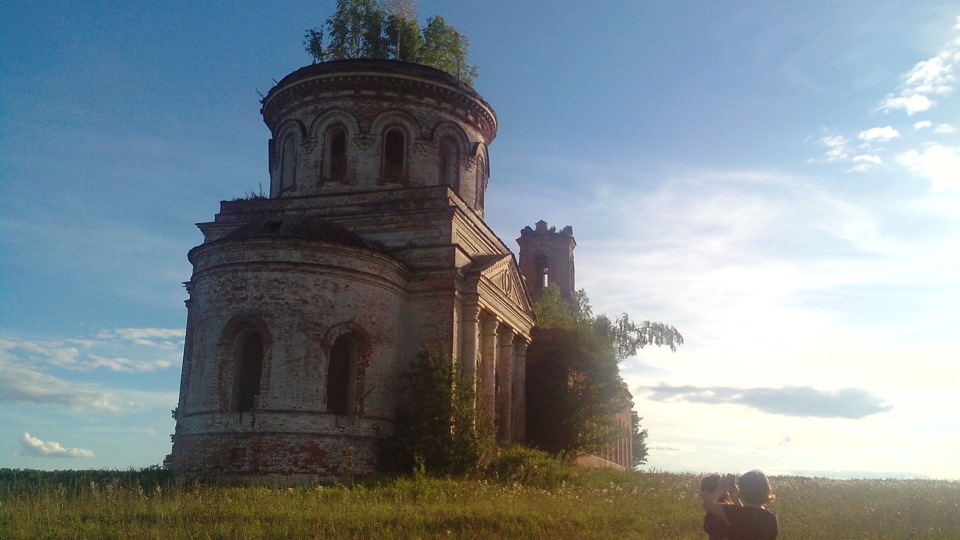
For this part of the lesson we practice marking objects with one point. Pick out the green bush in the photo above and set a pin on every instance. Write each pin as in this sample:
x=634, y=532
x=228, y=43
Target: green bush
x=440, y=432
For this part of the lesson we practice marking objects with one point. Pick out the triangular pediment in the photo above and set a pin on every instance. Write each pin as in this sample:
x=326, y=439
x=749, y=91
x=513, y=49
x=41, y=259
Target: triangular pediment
x=500, y=273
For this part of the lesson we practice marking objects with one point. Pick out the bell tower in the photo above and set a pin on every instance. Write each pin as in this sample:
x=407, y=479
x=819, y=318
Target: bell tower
x=546, y=258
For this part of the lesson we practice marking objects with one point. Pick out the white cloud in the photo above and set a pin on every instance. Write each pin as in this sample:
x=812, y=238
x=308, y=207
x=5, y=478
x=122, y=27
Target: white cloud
x=879, y=134
x=923, y=124
x=88, y=355
x=937, y=163
x=944, y=129
x=838, y=148
x=865, y=163
x=932, y=76
x=33, y=371
x=127, y=365
x=912, y=104
x=21, y=384
x=161, y=338
x=33, y=446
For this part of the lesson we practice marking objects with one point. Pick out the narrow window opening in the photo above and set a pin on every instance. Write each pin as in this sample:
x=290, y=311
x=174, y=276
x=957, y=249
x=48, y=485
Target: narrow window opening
x=288, y=164
x=450, y=163
x=341, y=376
x=542, y=269
x=249, y=370
x=481, y=182
x=338, y=156
x=393, y=156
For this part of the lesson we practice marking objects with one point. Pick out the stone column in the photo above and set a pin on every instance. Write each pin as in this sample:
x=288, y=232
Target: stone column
x=486, y=383
x=519, y=394
x=470, y=332
x=505, y=386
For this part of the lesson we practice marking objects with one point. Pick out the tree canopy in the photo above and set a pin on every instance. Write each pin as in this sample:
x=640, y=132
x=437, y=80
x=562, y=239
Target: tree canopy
x=575, y=387
x=389, y=30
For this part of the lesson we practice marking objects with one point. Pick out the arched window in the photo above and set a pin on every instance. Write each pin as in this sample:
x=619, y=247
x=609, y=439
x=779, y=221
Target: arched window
x=342, y=376
x=288, y=164
x=481, y=181
x=248, y=370
x=336, y=154
x=449, y=163
x=394, y=151
x=542, y=271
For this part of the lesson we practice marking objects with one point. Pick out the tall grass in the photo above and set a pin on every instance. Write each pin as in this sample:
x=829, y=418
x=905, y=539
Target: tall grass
x=525, y=499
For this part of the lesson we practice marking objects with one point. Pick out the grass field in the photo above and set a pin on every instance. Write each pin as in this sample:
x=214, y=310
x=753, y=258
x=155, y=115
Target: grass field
x=531, y=504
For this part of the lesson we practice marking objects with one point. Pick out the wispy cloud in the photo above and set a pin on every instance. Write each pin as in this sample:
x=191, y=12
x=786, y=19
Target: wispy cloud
x=22, y=384
x=112, y=350
x=803, y=401
x=160, y=338
x=38, y=371
x=932, y=77
x=33, y=446
x=920, y=91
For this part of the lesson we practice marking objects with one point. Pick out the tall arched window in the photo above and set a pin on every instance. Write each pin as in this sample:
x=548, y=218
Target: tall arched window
x=394, y=153
x=248, y=370
x=288, y=163
x=342, y=376
x=449, y=163
x=481, y=182
x=542, y=269
x=336, y=154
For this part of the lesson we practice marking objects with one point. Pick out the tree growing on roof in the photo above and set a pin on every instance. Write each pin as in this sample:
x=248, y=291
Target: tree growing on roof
x=389, y=29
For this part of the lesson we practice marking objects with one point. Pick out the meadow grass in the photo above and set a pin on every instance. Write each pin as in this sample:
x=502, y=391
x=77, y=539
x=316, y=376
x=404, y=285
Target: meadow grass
x=556, y=503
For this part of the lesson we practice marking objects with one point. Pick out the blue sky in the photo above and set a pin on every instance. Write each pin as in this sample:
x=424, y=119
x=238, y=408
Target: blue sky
x=781, y=182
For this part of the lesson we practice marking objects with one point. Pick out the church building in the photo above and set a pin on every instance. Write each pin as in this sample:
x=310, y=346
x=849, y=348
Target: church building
x=307, y=306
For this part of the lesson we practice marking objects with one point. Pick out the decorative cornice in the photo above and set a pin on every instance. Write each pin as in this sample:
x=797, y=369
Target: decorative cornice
x=385, y=80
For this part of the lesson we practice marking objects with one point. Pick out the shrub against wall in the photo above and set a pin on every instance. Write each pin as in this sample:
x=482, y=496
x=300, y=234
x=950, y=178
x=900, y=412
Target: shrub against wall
x=439, y=429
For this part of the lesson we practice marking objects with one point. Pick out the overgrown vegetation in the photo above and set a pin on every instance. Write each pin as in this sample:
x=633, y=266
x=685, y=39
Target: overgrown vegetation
x=252, y=195
x=532, y=498
x=439, y=430
x=389, y=30
x=575, y=388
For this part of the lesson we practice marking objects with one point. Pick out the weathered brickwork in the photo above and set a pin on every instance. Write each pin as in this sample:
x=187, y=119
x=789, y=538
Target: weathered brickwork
x=306, y=308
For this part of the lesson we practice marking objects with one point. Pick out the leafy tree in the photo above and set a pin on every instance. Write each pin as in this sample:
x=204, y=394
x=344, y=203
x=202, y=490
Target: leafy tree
x=574, y=389
x=439, y=428
x=313, y=43
x=356, y=30
x=404, y=39
x=639, y=440
x=403, y=32
x=446, y=49
x=574, y=386
x=371, y=29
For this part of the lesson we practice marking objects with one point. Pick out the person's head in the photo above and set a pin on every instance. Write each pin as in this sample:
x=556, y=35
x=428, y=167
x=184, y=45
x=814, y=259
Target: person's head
x=709, y=483
x=755, y=488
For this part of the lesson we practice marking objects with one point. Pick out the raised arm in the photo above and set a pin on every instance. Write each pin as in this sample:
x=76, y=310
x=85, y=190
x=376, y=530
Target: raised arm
x=711, y=501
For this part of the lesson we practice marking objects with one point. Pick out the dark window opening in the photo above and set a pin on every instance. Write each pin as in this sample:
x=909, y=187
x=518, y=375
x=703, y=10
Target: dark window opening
x=338, y=156
x=249, y=370
x=481, y=182
x=341, y=376
x=393, y=156
x=288, y=164
x=449, y=163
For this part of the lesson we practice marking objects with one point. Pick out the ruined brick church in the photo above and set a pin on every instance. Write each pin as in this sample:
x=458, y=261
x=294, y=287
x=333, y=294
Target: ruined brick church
x=306, y=307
